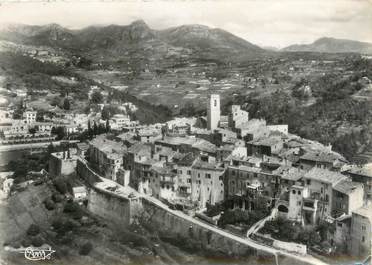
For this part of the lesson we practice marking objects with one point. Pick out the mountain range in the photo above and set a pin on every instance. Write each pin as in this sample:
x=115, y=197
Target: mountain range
x=137, y=40
x=332, y=45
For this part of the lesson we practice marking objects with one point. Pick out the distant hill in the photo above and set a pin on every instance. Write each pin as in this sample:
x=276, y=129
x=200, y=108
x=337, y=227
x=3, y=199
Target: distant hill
x=204, y=39
x=332, y=45
x=135, y=40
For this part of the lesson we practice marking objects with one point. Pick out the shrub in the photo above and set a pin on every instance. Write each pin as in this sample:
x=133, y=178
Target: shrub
x=71, y=207
x=60, y=185
x=33, y=230
x=26, y=242
x=86, y=248
x=49, y=204
x=37, y=241
x=62, y=226
x=66, y=240
x=57, y=197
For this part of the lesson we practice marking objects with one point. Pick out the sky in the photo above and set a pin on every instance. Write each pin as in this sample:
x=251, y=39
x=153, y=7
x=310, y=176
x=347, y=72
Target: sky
x=276, y=23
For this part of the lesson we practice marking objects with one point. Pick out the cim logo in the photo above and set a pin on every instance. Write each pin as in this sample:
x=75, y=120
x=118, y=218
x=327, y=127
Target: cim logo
x=32, y=253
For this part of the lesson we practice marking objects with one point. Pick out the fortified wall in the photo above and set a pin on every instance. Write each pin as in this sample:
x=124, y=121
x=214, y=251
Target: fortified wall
x=167, y=223
x=106, y=202
x=120, y=208
x=110, y=206
x=86, y=173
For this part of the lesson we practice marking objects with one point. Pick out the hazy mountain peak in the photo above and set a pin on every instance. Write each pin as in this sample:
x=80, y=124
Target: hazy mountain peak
x=332, y=45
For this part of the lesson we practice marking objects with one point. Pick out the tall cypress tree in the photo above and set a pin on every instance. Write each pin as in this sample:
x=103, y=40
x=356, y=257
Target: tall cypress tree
x=90, y=133
x=107, y=126
x=95, y=129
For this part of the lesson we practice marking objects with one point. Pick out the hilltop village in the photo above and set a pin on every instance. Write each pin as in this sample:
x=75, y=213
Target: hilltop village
x=234, y=173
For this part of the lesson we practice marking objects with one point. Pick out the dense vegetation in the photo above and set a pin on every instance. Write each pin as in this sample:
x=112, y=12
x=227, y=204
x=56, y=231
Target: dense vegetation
x=286, y=230
x=147, y=113
x=334, y=118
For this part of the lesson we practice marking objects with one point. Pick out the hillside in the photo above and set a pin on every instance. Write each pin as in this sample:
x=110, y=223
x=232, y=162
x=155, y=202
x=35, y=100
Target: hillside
x=23, y=72
x=332, y=45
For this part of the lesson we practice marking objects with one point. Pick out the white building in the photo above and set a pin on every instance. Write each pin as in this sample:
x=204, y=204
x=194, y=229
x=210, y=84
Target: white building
x=214, y=112
x=119, y=121
x=237, y=117
x=80, y=193
x=30, y=116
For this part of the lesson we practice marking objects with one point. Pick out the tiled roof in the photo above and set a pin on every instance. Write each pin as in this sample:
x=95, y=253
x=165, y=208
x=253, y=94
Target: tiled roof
x=293, y=174
x=267, y=141
x=365, y=171
x=176, y=140
x=322, y=156
x=187, y=160
x=207, y=166
x=347, y=186
x=324, y=175
x=204, y=145
x=139, y=148
x=365, y=211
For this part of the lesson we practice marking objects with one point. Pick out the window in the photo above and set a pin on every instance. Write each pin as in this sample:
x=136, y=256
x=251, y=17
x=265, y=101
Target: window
x=299, y=203
x=363, y=227
x=188, y=172
x=215, y=103
x=198, y=175
x=299, y=192
x=308, y=181
x=208, y=176
x=363, y=239
x=188, y=180
x=294, y=191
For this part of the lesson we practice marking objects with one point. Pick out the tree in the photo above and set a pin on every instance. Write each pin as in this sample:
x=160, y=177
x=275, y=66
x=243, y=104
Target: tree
x=86, y=248
x=97, y=97
x=32, y=131
x=60, y=185
x=188, y=109
x=107, y=126
x=59, y=131
x=105, y=113
x=33, y=230
x=66, y=104
x=95, y=129
x=90, y=132
x=51, y=148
